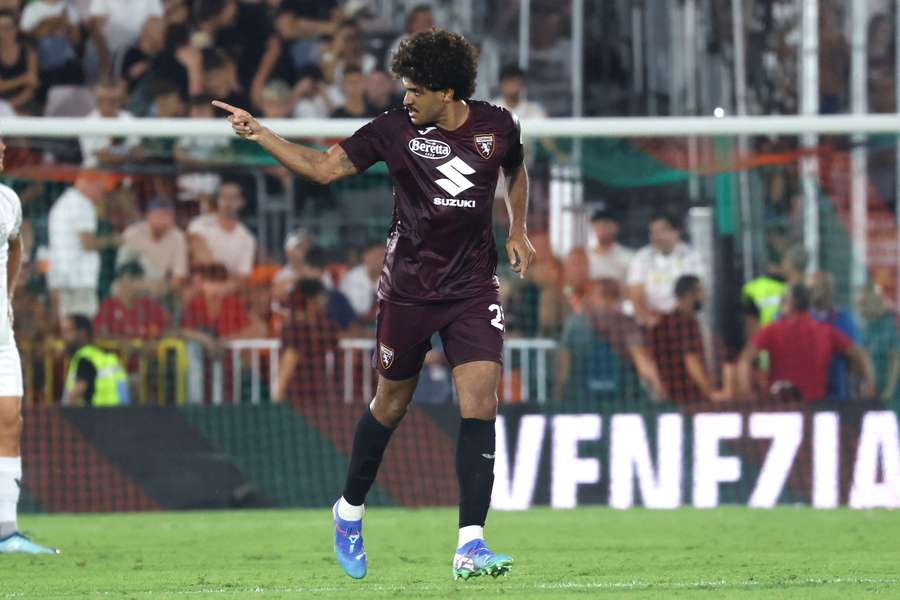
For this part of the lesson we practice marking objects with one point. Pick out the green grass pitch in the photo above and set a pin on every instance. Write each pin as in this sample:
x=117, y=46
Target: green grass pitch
x=584, y=553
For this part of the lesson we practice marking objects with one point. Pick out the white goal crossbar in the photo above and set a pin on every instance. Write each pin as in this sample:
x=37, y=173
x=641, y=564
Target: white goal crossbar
x=557, y=127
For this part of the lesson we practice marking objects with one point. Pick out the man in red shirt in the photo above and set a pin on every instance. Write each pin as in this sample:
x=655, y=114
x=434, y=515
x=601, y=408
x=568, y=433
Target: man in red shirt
x=127, y=313
x=800, y=350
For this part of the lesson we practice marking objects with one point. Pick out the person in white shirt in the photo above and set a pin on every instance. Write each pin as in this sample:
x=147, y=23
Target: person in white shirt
x=74, y=271
x=608, y=258
x=220, y=237
x=513, y=97
x=656, y=267
x=95, y=150
x=159, y=246
x=11, y=389
x=116, y=24
x=360, y=283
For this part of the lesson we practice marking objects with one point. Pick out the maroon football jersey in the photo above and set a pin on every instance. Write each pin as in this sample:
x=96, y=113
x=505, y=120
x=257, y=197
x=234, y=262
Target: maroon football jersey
x=441, y=244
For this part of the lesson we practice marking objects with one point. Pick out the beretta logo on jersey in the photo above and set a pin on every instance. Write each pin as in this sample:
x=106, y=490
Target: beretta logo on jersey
x=433, y=149
x=484, y=143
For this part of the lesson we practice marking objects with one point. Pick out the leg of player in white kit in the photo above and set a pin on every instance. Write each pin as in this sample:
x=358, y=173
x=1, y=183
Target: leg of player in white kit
x=11, y=539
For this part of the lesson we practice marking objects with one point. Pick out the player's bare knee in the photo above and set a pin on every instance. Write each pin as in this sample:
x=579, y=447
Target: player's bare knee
x=10, y=424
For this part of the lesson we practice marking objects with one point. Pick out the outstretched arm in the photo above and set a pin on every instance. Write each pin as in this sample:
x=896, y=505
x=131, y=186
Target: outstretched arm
x=518, y=246
x=320, y=167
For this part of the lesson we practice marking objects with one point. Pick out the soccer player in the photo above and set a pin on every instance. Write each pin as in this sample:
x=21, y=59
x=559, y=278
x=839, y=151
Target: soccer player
x=444, y=152
x=11, y=250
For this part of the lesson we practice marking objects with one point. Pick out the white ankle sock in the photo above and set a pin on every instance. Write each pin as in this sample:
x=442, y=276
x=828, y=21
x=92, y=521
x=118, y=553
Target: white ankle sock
x=469, y=533
x=10, y=473
x=349, y=512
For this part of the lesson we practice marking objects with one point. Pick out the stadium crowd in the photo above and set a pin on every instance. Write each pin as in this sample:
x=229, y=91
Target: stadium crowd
x=127, y=254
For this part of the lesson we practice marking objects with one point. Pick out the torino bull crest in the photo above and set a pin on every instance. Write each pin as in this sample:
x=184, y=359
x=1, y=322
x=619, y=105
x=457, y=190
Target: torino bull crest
x=484, y=143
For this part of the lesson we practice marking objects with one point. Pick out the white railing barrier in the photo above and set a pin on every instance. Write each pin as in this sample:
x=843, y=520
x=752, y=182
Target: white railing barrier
x=519, y=351
x=524, y=352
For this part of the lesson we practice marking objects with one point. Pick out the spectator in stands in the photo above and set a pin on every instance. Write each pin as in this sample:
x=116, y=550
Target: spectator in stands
x=176, y=12
x=821, y=288
x=115, y=25
x=550, y=58
x=834, y=61
x=95, y=377
x=512, y=94
x=54, y=25
x=168, y=103
x=761, y=297
x=97, y=150
x=210, y=18
x=881, y=64
x=656, y=267
x=381, y=92
x=800, y=351
x=337, y=306
x=345, y=50
x=18, y=66
x=678, y=347
x=220, y=78
x=200, y=152
x=419, y=18
x=608, y=258
x=310, y=98
x=74, y=271
x=360, y=284
x=600, y=350
x=513, y=98
x=179, y=65
x=277, y=100
x=308, y=338
x=294, y=43
x=353, y=94
x=159, y=247
x=221, y=237
x=128, y=312
x=215, y=312
x=138, y=60
x=296, y=247
x=882, y=342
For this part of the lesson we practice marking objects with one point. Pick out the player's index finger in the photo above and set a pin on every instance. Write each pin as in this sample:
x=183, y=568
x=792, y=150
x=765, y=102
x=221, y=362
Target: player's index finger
x=225, y=106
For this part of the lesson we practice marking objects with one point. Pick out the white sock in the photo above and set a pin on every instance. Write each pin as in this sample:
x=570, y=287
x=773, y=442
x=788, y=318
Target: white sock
x=349, y=512
x=10, y=473
x=469, y=533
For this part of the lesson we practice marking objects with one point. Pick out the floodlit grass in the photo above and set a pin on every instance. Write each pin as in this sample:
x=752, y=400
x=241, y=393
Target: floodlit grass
x=584, y=553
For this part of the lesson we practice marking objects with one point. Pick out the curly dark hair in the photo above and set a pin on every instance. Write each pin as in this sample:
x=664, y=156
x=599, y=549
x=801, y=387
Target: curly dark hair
x=438, y=60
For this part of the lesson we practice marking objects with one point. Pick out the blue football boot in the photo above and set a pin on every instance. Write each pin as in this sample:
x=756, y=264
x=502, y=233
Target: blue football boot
x=348, y=545
x=476, y=559
x=19, y=544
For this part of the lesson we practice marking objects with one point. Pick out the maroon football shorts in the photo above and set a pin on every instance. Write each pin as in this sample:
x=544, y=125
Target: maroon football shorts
x=470, y=329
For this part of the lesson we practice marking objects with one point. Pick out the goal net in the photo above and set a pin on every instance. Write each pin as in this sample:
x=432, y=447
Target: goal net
x=652, y=354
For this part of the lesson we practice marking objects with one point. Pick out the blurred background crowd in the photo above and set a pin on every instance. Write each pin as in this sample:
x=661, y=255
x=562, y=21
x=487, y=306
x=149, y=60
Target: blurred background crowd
x=168, y=252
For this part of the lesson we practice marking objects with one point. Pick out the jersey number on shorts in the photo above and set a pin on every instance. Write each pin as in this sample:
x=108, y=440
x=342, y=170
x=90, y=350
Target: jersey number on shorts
x=497, y=321
x=455, y=170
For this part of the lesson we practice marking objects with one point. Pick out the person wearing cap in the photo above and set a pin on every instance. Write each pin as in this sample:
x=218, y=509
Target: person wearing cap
x=158, y=246
x=296, y=247
x=608, y=258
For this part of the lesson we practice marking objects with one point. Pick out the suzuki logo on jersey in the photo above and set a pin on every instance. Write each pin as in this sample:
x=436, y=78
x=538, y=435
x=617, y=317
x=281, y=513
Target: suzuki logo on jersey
x=430, y=149
x=454, y=202
x=484, y=143
x=456, y=182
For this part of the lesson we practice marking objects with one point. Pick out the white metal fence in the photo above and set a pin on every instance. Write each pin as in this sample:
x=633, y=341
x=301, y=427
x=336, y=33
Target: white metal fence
x=258, y=360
